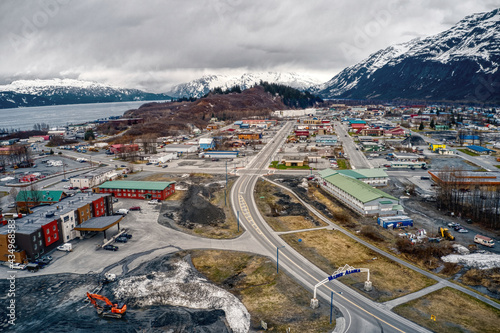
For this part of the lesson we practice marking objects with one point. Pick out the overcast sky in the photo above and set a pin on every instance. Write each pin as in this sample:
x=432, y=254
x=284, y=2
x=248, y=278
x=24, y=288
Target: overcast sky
x=154, y=44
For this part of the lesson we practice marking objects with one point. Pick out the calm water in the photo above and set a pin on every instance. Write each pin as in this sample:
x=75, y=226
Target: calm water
x=56, y=115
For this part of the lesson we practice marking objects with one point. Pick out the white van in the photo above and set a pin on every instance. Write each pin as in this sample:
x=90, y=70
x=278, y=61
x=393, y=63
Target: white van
x=483, y=240
x=65, y=247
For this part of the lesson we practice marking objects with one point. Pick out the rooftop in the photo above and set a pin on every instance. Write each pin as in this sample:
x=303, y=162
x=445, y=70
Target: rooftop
x=136, y=185
x=40, y=196
x=99, y=223
x=361, y=191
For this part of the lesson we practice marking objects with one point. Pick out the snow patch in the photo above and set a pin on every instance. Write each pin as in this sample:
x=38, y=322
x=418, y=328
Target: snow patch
x=184, y=287
x=475, y=260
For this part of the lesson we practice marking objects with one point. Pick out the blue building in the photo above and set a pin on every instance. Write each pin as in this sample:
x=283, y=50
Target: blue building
x=327, y=140
x=207, y=143
x=479, y=150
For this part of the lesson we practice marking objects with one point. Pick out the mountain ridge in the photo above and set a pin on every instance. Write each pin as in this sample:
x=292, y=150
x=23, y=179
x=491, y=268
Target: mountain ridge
x=26, y=93
x=460, y=63
x=202, y=86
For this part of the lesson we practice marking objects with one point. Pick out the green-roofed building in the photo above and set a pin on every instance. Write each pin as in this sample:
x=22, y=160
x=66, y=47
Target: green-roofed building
x=349, y=188
x=374, y=177
x=138, y=189
x=27, y=199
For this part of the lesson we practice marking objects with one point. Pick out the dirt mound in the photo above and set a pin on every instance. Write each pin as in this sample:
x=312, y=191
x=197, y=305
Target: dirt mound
x=196, y=209
x=414, y=140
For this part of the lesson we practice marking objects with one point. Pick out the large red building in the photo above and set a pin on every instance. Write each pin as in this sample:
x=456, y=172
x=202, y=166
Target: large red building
x=138, y=189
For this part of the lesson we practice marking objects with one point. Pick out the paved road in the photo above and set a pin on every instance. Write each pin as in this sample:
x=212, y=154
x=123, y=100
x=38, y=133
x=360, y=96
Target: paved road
x=359, y=313
x=356, y=157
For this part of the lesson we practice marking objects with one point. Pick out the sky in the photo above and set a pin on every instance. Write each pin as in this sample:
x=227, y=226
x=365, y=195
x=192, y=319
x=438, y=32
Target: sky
x=154, y=44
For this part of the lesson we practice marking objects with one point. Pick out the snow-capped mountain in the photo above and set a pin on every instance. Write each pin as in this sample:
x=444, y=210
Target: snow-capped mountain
x=460, y=63
x=23, y=93
x=203, y=85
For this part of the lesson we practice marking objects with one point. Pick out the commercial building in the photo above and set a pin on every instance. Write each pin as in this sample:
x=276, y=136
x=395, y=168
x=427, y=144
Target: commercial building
x=434, y=147
x=49, y=226
x=162, y=158
x=359, y=196
x=28, y=199
x=93, y=178
x=250, y=136
x=219, y=154
x=123, y=149
x=327, y=140
x=180, y=149
x=395, y=221
x=295, y=161
x=479, y=150
x=466, y=178
x=138, y=189
x=206, y=143
x=373, y=177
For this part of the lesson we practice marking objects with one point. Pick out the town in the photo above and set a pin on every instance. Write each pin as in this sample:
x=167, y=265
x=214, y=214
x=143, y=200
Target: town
x=411, y=190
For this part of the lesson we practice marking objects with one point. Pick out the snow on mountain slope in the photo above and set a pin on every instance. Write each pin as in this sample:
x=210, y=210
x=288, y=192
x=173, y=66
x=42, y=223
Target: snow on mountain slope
x=450, y=65
x=203, y=85
x=68, y=91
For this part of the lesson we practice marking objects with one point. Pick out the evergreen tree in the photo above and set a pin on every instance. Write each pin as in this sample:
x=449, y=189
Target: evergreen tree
x=421, y=127
x=432, y=124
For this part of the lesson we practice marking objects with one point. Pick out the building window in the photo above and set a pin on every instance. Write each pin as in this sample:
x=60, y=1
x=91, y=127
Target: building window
x=48, y=231
x=34, y=238
x=55, y=236
x=40, y=242
x=54, y=228
x=39, y=235
x=35, y=247
x=67, y=237
x=48, y=239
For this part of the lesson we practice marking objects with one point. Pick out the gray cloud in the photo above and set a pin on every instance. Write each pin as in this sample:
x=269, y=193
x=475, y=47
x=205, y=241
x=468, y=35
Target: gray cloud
x=154, y=44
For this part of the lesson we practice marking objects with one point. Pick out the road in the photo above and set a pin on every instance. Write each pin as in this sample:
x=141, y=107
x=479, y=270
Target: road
x=359, y=314
x=356, y=157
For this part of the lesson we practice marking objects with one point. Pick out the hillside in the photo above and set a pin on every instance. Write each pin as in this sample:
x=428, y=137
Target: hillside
x=203, y=85
x=26, y=93
x=459, y=64
x=177, y=117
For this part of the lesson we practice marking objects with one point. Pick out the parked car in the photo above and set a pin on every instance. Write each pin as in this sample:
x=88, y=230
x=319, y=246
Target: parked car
x=65, y=180
x=135, y=208
x=126, y=235
x=165, y=166
x=12, y=205
x=463, y=230
x=121, y=211
x=18, y=266
x=32, y=267
x=115, y=200
x=215, y=159
x=42, y=262
x=149, y=163
x=153, y=202
x=121, y=239
x=110, y=247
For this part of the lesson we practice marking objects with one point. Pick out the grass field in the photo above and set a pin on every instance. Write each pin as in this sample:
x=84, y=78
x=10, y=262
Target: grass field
x=465, y=151
x=265, y=199
x=454, y=312
x=343, y=164
x=329, y=250
x=274, y=298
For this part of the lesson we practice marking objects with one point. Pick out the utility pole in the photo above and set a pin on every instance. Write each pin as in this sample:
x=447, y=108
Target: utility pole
x=225, y=190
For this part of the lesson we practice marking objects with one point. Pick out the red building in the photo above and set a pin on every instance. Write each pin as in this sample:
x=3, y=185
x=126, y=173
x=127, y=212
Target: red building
x=27, y=179
x=119, y=148
x=302, y=134
x=98, y=207
x=50, y=232
x=138, y=189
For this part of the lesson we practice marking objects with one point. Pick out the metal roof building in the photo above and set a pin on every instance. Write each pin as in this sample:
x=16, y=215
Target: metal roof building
x=374, y=177
x=138, y=189
x=359, y=195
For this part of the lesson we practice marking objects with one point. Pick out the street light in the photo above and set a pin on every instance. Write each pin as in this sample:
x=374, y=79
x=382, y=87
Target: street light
x=277, y=258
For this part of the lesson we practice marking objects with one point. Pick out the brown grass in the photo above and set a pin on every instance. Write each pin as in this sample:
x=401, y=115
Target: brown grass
x=489, y=278
x=331, y=249
x=274, y=298
x=281, y=223
x=454, y=311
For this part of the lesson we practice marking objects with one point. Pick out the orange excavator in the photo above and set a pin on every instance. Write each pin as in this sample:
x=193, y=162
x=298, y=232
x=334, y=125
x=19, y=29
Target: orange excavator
x=116, y=310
